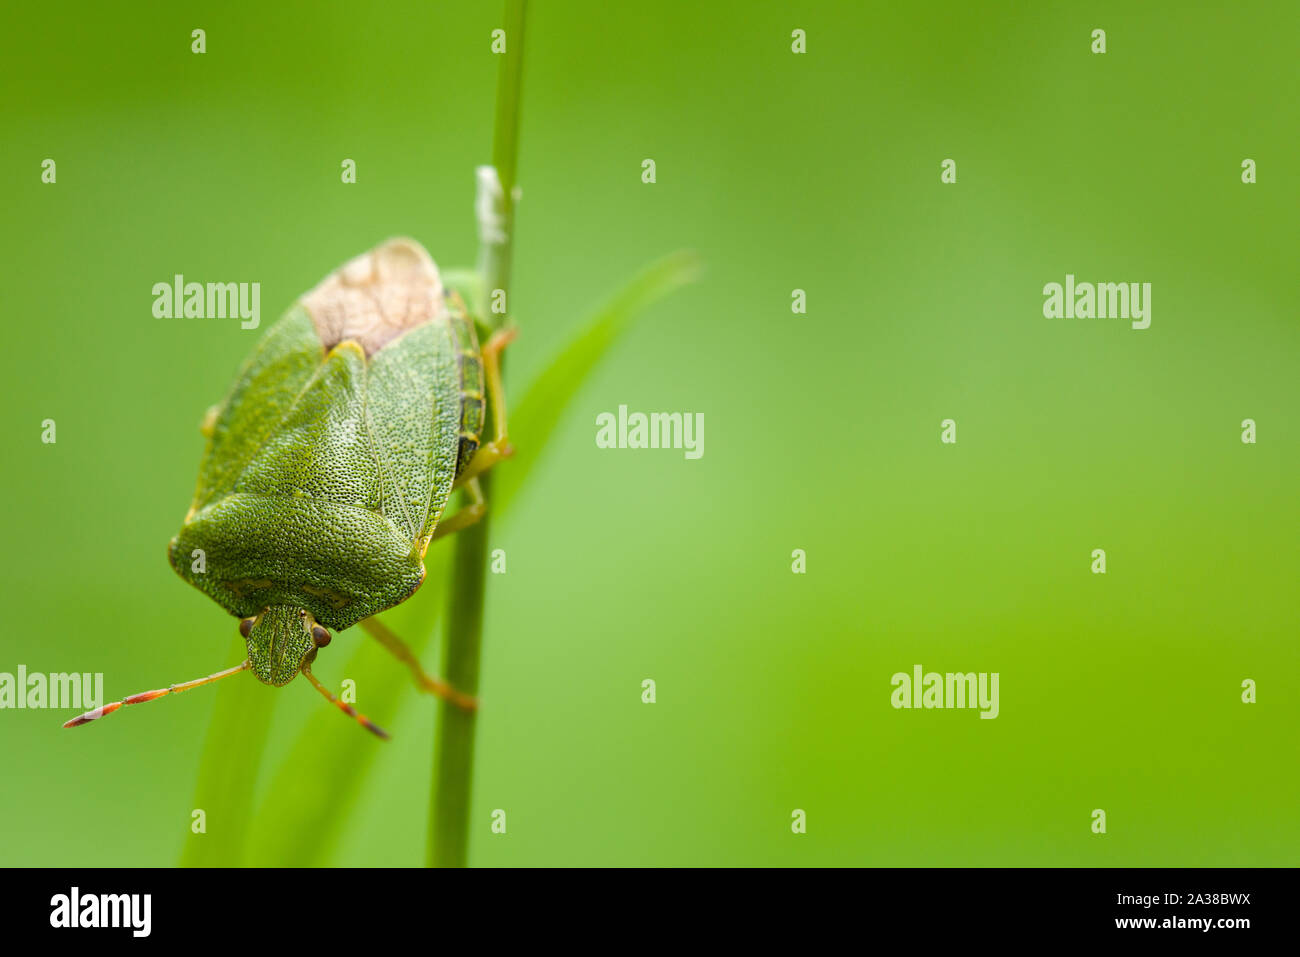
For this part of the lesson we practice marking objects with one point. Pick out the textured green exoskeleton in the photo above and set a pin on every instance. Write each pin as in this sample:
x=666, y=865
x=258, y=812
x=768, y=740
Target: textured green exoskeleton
x=330, y=462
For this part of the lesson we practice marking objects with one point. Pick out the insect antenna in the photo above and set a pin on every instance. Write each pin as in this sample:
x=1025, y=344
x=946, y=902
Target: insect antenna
x=343, y=706
x=144, y=696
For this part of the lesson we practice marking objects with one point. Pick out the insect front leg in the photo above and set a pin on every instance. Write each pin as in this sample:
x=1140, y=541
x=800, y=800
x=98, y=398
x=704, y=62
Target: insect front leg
x=499, y=448
x=426, y=682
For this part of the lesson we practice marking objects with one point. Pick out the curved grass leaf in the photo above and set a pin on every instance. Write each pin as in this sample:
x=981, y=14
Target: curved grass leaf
x=321, y=776
x=534, y=420
x=232, y=755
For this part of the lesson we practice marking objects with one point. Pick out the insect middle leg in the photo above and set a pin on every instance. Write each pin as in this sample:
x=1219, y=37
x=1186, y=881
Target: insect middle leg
x=426, y=682
x=492, y=452
x=469, y=513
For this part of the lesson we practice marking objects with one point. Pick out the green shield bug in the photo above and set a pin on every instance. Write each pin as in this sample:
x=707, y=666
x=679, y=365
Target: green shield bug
x=330, y=462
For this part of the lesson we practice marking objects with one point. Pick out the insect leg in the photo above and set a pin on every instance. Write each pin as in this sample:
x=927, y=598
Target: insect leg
x=385, y=636
x=499, y=448
x=466, y=515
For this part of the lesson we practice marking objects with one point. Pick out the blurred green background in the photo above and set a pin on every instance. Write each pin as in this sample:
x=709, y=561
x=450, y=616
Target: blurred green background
x=818, y=172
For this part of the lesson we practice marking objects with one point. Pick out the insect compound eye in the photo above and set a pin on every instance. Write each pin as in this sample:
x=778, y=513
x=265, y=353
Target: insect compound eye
x=320, y=636
x=245, y=627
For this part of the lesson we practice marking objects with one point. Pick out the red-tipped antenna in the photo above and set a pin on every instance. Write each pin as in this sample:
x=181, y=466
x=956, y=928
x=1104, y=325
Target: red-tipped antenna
x=144, y=696
x=347, y=709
